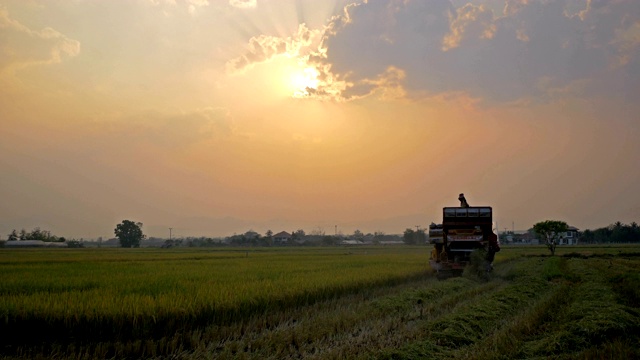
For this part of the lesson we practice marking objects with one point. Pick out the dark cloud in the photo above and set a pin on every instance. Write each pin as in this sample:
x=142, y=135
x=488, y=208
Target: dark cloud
x=380, y=34
x=533, y=50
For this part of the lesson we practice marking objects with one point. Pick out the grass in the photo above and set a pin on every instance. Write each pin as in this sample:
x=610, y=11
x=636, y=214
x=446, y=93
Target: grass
x=149, y=293
x=324, y=303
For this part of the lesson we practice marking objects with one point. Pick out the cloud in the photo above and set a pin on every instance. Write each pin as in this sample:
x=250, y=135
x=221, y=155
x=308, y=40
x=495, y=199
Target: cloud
x=389, y=84
x=191, y=5
x=330, y=86
x=368, y=39
x=22, y=47
x=264, y=47
x=533, y=50
x=471, y=22
x=243, y=4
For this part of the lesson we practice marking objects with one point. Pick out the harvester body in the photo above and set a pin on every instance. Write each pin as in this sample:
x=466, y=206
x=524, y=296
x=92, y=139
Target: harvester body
x=463, y=231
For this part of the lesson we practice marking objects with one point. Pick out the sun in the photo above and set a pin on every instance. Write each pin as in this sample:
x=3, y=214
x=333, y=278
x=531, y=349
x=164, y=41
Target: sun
x=303, y=80
x=286, y=78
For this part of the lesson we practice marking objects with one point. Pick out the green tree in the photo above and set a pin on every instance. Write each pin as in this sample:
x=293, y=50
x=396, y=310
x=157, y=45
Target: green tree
x=551, y=231
x=414, y=237
x=298, y=234
x=13, y=236
x=378, y=236
x=75, y=243
x=329, y=240
x=35, y=234
x=129, y=233
x=268, y=238
x=409, y=236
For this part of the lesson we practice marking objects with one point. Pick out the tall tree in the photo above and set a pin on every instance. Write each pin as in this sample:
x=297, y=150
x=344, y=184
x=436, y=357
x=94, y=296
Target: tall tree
x=409, y=237
x=551, y=231
x=268, y=238
x=13, y=236
x=129, y=233
x=35, y=234
x=414, y=237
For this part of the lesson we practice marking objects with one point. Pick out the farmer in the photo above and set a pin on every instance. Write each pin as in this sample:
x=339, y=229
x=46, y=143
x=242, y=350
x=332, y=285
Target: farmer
x=463, y=201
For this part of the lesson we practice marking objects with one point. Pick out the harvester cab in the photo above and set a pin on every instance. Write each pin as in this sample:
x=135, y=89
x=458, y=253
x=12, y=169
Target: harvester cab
x=464, y=231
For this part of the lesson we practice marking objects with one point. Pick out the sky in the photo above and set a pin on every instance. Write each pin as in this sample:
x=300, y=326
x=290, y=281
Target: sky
x=214, y=117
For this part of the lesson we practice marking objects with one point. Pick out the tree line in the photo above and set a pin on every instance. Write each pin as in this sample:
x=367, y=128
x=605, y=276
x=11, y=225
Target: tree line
x=42, y=235
x=614, y=233
x=550, y=232
x=35, y=234
x=414, y=237
x=129, y=234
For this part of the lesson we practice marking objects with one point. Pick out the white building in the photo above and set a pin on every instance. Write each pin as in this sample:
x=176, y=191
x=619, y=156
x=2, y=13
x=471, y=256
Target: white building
x=570, y=237
x=33, y=243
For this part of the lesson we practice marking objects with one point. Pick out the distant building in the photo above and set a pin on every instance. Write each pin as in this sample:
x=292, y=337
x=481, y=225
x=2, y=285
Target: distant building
x=391, y=242
x=33, y=243
x=282, y=237
x=570, y=237
x=352, y=242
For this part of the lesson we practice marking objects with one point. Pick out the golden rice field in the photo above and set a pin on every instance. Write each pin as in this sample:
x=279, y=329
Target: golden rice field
x=319, y=303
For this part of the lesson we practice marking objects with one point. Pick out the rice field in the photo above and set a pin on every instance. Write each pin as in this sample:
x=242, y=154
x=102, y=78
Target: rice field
x=320, y=303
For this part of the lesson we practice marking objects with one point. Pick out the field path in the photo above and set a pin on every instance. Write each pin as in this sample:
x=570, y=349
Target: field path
x=532, y=307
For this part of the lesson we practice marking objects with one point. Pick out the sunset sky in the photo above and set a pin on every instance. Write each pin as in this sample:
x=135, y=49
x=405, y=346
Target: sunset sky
x=218, y=116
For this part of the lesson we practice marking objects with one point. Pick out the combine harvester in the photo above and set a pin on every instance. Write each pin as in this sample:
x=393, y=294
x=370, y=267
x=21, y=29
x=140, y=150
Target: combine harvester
x=466, y=233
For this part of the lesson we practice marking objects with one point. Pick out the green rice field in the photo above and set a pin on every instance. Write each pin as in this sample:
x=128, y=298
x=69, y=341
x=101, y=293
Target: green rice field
x=317, y=303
